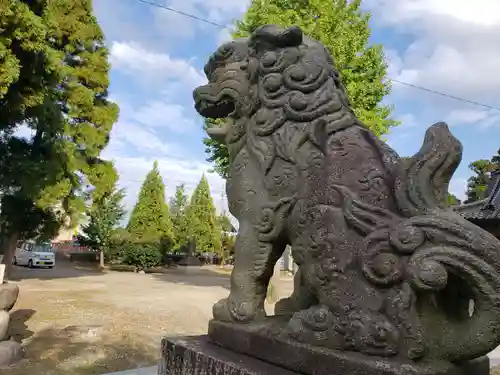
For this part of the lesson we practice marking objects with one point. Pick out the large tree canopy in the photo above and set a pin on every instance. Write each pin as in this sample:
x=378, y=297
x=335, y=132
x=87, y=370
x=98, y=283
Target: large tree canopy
x=53, y=86
x=343, y=28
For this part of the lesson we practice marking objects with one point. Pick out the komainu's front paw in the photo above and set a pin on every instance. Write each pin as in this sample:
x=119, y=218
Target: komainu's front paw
x=238, y=311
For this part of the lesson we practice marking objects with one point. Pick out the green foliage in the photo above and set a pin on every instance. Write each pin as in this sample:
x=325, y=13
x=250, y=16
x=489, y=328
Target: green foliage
x=478, y=183
x=344, y=29
x=150, y=219
x=178, y=205
x=227, y=246
x=202, y=219
x=54, y=80
x=452, y=200
x=142, y=255
x=104, y=216
x=225, y=224
x=218, y=152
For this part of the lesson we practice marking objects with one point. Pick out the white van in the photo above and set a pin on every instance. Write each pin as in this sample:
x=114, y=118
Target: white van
x=34, y=254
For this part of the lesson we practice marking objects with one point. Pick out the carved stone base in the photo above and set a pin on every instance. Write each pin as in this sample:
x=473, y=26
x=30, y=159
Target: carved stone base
x=259, y=340
x=196, y=356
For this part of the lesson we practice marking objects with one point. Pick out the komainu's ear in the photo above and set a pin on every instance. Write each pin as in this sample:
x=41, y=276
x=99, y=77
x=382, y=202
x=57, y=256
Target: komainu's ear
x=277, y=36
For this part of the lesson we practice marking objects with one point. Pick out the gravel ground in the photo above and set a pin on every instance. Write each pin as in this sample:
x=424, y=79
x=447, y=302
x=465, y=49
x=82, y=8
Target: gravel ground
x=74, y=320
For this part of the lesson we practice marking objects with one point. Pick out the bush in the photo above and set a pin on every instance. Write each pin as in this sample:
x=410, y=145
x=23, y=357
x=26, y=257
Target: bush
x=142, y=255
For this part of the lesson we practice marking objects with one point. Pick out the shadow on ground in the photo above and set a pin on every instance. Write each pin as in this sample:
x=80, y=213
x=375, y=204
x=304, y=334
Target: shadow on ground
x=195, y=276
x=63, y=270
x=82, y=350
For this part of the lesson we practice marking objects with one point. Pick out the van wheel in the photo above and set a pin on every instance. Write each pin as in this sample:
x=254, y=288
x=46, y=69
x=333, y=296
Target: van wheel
x=30, y=264
x=14, y=261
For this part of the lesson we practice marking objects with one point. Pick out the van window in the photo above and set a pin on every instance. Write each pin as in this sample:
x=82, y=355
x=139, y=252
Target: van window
x=42, y=248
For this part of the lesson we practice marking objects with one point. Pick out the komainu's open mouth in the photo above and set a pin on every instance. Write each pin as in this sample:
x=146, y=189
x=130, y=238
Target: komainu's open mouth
x=220, y=108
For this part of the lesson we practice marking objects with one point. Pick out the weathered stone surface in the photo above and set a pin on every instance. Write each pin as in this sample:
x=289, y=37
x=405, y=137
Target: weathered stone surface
x=386, y=269
x=10, y=353
x=262, y=340
x=4, y=325
x=9, y=293
x=196, y=356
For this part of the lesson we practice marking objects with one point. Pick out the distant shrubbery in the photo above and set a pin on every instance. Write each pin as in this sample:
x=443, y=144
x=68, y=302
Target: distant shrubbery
x=141, y=253
x=157, y=235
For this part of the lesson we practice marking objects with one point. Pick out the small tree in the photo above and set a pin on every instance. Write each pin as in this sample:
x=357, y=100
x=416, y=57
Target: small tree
x=105, y=215
x=150, y=218
x=202, y=219
x=478, y=183
x=496, y=160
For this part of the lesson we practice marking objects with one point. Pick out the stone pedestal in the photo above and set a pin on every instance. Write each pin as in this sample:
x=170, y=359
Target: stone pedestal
x=262, y=341
x=201, y=355
x=197, y=356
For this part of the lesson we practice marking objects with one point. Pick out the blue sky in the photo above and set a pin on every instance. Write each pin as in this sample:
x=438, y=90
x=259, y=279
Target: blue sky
x=157, y=57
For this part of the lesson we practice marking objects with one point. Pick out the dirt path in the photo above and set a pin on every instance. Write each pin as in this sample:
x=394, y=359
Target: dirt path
x=77, y=321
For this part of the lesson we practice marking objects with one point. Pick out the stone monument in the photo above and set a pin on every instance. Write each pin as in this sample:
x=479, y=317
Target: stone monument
x=387, y=272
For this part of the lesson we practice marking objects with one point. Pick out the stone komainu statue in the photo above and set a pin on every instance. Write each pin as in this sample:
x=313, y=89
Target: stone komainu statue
x=385, y=268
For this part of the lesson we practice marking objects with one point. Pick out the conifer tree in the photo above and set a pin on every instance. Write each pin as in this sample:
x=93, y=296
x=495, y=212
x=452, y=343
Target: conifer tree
x=344, y=29
x=178, y=205
x=202, y=219
x=150, y=219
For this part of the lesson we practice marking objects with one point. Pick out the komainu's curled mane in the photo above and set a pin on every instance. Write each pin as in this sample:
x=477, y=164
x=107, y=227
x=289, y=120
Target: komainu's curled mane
x=384, y=266
x=275, y=79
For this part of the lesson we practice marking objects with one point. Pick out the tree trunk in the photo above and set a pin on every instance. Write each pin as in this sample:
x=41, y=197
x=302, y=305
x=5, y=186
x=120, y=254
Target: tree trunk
x=10, y=249
x=101, y=259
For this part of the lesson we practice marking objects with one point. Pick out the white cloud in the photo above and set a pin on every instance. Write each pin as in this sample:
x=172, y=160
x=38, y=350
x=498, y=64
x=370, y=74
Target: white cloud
x=134, y=59
x=179, y=26
x=482, y=118
x=458, y=187
x=481, y=12
x=455, y=44
x=223, y=36
x=466, y=116
x=164, y=115
x=140, y=139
